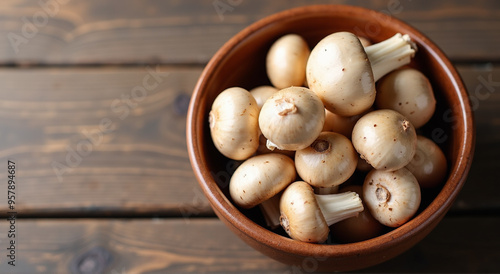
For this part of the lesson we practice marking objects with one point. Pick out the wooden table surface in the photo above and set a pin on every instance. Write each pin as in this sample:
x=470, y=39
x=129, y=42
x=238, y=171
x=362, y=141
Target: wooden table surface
x=103, y=181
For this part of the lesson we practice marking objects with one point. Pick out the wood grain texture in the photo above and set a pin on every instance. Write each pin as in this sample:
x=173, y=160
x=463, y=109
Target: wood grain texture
x=80, y=138
x=180, y=32
x=483, y=86
x=118, y=140
x=206, y=245
x=140, y=166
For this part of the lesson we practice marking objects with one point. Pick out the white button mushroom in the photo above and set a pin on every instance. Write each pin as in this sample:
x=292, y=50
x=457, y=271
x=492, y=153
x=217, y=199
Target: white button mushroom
x=363, y=165
x=270, y=209
x=409, y=92
x=385, y=139
x=392, y=197
x=286, y=61
x=343, y=73
x=234, y=124
x=259, y=178
x=329, y=161
x=358, y=228
x=341, y=124
x=262, y=93
x=292, y=118
x=263, y=149
x=306, y=216
x=429, y=163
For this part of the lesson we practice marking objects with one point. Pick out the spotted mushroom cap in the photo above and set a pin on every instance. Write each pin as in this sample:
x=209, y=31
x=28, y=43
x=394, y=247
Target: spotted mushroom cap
x=261, y=177
x=301, y=216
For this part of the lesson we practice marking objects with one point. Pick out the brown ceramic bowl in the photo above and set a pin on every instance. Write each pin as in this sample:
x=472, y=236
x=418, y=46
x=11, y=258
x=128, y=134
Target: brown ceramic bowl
x=241, y=62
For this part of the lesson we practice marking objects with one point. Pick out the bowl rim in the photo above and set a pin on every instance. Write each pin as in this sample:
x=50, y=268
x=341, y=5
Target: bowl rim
x=435, y=210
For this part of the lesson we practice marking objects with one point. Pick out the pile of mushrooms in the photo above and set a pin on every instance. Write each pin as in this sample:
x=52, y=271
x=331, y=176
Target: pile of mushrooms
x=331, y=147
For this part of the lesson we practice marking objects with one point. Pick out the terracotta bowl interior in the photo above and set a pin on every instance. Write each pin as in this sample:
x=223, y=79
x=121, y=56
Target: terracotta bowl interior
x=241, y=62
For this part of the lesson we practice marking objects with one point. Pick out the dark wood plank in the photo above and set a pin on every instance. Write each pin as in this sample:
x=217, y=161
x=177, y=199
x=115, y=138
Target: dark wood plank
x=135, y=246
x=79, y=145
x=483, y=85
x=457, y=245
x=131, y=31
x=141, y=165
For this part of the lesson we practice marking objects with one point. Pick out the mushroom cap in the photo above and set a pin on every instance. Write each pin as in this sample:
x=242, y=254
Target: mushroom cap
x=262, y=93
x=363, y=165
x=329, y=161
x=263, y=149
x=259, y=178
x=429, y=164
x=292, y=118
x=392, y=197
x=358, y=228
x=339, y=72
x=286, y=61
x=234, y=123
x=341, y=124
x=385, y=139
x=301, y=216
x=409, y=92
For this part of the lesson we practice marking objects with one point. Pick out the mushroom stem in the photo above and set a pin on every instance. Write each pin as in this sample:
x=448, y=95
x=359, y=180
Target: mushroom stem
x=406, y=125
x=285, y=106
x=211, y=119
x=390, y=54
x=271, y=146
x=321, y=145
x=338, y=207
x=271, y=210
